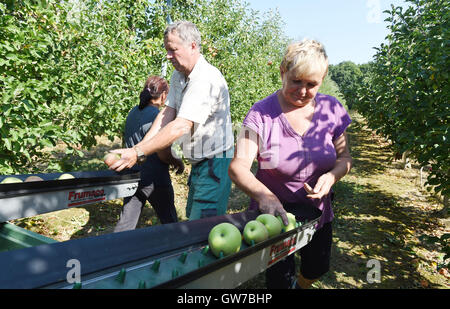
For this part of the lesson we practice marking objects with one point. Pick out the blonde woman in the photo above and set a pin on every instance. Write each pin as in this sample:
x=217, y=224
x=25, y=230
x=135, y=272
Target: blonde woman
x=299, y=139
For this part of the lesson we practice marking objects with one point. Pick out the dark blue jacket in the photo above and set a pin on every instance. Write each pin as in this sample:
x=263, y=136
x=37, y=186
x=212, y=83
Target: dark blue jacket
x=138, y=123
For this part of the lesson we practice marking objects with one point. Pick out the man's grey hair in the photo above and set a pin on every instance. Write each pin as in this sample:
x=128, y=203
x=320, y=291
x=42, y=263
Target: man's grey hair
x=186, y=30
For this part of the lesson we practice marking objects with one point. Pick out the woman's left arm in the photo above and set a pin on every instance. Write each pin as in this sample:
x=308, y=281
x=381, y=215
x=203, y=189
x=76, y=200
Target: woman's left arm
x=341, y=168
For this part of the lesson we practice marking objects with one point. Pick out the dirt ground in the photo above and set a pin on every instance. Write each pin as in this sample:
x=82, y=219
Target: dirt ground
x=381, y=210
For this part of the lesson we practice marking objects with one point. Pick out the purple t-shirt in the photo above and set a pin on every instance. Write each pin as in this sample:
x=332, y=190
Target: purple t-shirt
x=287, y=160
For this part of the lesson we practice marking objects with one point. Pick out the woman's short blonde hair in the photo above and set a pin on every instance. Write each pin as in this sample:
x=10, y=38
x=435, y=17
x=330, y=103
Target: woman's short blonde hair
x=305, y=58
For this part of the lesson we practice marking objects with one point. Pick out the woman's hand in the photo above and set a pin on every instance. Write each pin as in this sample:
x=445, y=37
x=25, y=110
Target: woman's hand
x=322, y=187
x=274, y=207
x=172, y=159
x=178, y=165
x=341, y=168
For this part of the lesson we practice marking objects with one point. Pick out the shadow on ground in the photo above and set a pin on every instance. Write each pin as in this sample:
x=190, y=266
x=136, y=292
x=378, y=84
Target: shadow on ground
x=382, y=228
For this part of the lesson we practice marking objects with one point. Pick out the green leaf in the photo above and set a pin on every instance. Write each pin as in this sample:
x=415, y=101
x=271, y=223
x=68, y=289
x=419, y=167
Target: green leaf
x=12, y=56
x=46, y=142
x=7, y=143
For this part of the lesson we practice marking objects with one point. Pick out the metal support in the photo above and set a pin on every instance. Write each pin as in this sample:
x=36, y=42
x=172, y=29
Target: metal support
x=169, y=6
x=169, y=21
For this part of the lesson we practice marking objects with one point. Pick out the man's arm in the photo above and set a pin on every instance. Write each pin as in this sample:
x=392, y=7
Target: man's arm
x=166, y=136
x=161, y=140
x=167, y=115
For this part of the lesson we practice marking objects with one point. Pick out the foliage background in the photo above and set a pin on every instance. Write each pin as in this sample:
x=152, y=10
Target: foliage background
x=71, y=70
x=68, y=71
x=405, y=93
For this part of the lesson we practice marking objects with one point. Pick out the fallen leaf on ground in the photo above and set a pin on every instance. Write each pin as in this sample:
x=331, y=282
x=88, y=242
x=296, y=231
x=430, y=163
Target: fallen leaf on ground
x=424, y=283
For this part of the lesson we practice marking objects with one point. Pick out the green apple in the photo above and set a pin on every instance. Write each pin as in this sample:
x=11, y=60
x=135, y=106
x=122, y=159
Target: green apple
x=11, y=180
x=292, y=222
x=66, y=176
x=224, y=239
x=33, y=178
x=271, y=223
x=255, y=232
x=110, y=158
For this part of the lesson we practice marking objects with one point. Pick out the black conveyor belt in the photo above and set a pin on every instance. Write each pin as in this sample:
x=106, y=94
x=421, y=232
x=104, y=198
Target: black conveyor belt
x=44, y=265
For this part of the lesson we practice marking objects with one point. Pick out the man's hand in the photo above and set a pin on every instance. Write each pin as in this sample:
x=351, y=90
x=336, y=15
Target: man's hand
x=127, y=160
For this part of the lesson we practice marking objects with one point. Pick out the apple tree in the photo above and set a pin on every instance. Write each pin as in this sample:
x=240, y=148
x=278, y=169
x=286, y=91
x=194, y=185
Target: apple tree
x=348, y=76
x=405, y=96
x=69, y=71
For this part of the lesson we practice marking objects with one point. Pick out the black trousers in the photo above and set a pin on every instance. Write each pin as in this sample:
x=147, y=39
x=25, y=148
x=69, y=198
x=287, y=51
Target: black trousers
x=161, y=199
x=315, y=261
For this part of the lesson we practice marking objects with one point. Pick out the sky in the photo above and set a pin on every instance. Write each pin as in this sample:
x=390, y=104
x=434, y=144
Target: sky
x=349, y=29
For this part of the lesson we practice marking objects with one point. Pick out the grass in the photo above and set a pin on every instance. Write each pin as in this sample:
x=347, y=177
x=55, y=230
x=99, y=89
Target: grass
x=380, y=208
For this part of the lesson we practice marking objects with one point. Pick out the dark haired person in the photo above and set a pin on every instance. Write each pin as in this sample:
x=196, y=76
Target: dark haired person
x=155, y=185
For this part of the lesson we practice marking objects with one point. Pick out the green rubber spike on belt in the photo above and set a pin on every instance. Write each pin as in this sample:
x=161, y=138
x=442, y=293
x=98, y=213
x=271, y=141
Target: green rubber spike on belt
x=121, y=276
x=142, y=285
x=205, y=250
x=221, y=255
x=183, y=257
x=201, y=263
x=252, y=242
x=155, y=266
x=175, y=273
x=76, y=286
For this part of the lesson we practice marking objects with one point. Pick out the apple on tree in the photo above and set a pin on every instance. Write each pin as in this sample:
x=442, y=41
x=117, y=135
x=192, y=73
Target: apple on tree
x=292, y=222
x=271, y=223
x=255, y=232
x=224, y=239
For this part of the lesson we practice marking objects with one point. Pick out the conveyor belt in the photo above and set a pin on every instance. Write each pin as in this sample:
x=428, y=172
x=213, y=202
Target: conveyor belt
x=26, y=199
x=177, y=249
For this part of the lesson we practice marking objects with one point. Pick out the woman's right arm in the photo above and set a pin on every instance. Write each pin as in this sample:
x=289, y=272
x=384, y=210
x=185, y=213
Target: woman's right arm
x=240, y=173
